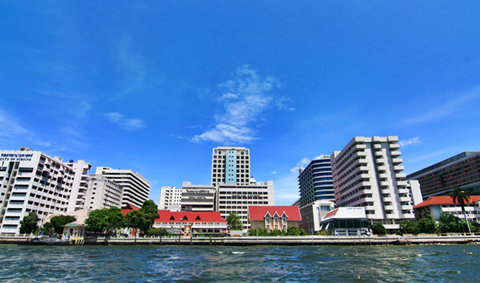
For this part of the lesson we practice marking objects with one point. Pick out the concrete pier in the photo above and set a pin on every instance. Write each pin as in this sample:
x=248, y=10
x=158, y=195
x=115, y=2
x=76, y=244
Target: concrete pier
x=281, y=240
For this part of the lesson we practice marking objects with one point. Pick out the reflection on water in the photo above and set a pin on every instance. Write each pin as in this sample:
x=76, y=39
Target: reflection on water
x=254, y=264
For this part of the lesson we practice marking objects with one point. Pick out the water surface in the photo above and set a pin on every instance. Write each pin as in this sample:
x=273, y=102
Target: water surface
x=453, y=263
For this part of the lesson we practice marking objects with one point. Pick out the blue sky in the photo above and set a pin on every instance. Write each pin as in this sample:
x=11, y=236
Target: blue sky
x=154, y=86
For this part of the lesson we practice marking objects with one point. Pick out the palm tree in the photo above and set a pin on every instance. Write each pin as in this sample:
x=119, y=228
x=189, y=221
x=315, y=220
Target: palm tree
x=234, y=222
x=461, y=197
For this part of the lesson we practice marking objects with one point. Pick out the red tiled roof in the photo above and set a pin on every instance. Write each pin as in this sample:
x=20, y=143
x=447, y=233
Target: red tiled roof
x=179, y=216
x=331, y=213
x=128, y=208
x=189, y=216
x=259, y=212
x=443, y=200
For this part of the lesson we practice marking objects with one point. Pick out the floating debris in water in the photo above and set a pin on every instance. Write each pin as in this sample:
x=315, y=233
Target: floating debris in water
x=237, y=253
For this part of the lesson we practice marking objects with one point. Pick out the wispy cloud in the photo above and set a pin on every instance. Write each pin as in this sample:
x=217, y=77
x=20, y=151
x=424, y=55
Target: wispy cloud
x=10, y=127
x=443, y=111
x=301, y=164
x=132, y=65
x=127, y=123
x=410, y=141
x=246, y=98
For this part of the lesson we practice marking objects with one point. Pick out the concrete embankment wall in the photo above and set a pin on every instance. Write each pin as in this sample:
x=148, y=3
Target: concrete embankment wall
x=248, y=241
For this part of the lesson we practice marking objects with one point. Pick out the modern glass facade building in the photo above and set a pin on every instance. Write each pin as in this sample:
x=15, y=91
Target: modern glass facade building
x=315, y=181
x=441, y=178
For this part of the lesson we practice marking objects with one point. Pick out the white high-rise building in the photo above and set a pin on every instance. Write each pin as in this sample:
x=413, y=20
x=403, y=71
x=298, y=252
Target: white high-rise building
x=102, y=193
x=230, y=165
x=368, y=173
x=80, y=185
x=170, y=198
x=234, y=198
x=135, y=188
x=31, y=181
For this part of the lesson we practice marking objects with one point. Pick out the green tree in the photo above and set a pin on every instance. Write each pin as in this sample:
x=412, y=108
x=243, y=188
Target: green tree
x=29, y=223
x=258, y=232
x=462, y=197
x=48, y=228
x=100, y=220
x=138, y=220
x=149, y=211
x=59, y=222
x=409, y=227
x=293, y=231
x=475, y=225
x=157, y=232
x=277, y=232
x=427, y=225
x=449, y=223
x=234, y=222
x=379, y=229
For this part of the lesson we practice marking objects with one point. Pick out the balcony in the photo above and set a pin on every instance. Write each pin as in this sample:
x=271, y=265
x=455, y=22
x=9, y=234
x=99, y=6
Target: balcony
x=402, y=183
x=362, y=154
x=397, y=160
x=382, y=168
x=380, y=161
x=394, y=146
x=382, y=175
x=387, y=199
x=395, y=153
x=378, y=153
x=386, y=191
x=362, y=161
x=400, y=176
x=405, y=199
x=388, y=207
x=398, y=168
x=377, y=146
x=406, y=207
x=384, y=183
x=403, y=191
x=360, y=146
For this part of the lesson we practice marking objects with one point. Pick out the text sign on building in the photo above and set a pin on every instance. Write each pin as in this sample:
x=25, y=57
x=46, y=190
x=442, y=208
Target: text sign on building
x=16, y=157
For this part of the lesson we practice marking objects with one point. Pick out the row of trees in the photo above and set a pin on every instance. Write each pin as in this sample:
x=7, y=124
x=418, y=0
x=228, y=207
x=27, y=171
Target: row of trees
x=29, y=224
x=291, y=231
x=109, y=219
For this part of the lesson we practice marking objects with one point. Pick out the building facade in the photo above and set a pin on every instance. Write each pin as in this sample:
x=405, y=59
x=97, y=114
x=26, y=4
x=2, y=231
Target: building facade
x=346, y=221
x=31, y=181
x=313, y=214
x=315, y=181
x=230, y=165
x=368, y=173
x=237, y=198
x=135, y=188
x=102, y=193
x=274, y=217
x=436, y=205
x=198, y=197
x=461, y=170
x=80, y=185
x=170, y=198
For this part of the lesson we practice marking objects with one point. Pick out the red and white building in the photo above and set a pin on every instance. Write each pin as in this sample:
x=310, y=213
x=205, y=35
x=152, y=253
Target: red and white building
x=436, y=205
x=186, y=222
x=274, y=217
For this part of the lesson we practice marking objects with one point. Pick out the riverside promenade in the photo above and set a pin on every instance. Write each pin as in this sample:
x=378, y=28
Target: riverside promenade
x=280, y=240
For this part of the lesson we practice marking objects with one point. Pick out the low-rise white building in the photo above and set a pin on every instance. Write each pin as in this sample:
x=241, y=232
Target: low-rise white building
x=346, y=221
x=313, y=214
x=436, y=205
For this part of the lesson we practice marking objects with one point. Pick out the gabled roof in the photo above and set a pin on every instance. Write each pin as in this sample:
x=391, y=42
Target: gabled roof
x=443, y=200
x=257, y=213
x=182, y=216
x=126, y=209
x=189, y=216
x=346, y=213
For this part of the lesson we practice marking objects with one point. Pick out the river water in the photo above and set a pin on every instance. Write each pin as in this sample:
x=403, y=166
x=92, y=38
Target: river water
x=452, y=263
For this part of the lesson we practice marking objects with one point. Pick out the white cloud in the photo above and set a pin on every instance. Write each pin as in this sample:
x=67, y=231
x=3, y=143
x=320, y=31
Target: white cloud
x=10, y=127
x=410, y=141
x=274, y=172
x=127, y=123
x=246, y=98
x=442, y=111
x=301, y=164
x=132, y=65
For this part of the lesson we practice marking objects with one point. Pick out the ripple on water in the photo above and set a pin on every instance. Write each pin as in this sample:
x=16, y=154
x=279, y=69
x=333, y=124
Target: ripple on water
x=251, y=264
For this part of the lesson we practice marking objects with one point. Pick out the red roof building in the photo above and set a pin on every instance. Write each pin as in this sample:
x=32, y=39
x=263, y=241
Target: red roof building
x=436, y=205
x=274, y=217
x=185, y=222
